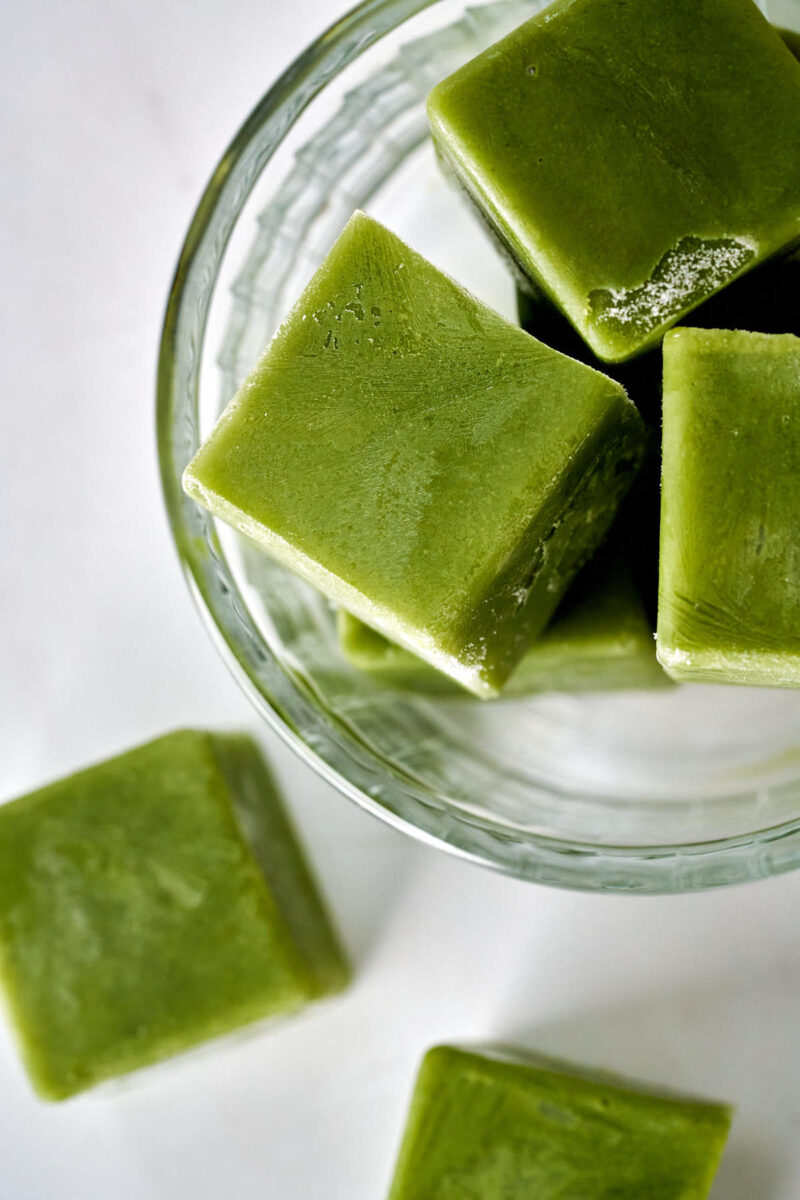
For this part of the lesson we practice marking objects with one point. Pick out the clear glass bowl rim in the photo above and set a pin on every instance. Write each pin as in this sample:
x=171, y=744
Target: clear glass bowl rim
x=336, y=756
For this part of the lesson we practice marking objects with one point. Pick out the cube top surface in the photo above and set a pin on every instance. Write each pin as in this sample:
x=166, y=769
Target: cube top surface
x=729, y=604
x=134, y=918
x=492, y=1128
x=398, y=438
x=635, y=156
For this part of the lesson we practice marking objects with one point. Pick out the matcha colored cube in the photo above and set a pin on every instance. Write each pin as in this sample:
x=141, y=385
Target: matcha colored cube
x=599, y=639
x=150, y=902
x=729, y=589
x=634, y=158
x=429, y=466
x=497, y=1127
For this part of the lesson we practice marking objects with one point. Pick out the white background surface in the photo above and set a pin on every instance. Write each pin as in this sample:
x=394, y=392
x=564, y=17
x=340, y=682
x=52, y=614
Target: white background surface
x=114, y=113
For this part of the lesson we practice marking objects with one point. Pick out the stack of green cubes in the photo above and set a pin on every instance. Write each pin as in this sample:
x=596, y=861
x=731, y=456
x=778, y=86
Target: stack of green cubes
x=444, y=477
x=450, y=480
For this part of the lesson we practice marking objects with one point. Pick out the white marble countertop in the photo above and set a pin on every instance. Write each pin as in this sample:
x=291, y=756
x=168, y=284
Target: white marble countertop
x=115, y=113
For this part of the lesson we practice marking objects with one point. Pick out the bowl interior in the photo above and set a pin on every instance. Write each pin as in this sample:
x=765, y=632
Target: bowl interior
x=656, y=790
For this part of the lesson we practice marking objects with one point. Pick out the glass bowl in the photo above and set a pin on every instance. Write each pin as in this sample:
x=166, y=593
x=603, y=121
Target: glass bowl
x=662, y=791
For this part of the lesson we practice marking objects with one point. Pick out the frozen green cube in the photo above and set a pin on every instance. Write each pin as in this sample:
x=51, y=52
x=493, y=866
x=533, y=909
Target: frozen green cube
x=150, y=902
x=729, y=588
x=633, y=157
x=496, y=1127
x=600, y=639
x=428, y=465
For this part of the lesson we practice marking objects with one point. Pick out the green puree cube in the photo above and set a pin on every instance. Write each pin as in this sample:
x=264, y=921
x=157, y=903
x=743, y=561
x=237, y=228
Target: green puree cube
x=633, y=157
x=435, y=470
x=729, y=590
x=599, y=640
x=151, y=902
x=494, y=1128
